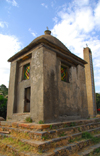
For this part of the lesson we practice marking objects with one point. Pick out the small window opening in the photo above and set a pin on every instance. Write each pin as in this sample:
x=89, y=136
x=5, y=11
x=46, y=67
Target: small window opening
x=26, y=72
x=64, y=73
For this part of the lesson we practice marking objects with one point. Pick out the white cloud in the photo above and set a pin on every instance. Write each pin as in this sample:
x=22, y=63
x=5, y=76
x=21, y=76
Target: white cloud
x=53, y=3
x=43, y=4
x=33, y=33
x=3, y=24
x=13, y=2
x=55, y=19
x=81, y=3
x=9, y=45
x=76, y=25
x=97, y=15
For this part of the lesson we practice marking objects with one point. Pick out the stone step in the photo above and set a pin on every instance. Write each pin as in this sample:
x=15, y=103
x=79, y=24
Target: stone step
x=53, y=143
x=89, y=151
x=74, y=148
x=59, y=151
x=45, y=135
x=15, y=151
x=46, y=127
x=20, y=116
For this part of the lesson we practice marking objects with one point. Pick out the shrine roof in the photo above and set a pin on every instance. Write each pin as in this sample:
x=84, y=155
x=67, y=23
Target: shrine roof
x=49, y=40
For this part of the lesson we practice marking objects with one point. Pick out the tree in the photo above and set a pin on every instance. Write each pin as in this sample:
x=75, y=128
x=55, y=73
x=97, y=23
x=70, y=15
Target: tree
x=98, y=100
x=4, y=89
x=3, y=106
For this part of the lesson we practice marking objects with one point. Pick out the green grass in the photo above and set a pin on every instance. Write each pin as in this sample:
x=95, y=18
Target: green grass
x=72, y=124
x=96, y=152
x=50, y=126
x=86, y=135
x=71, y=140
x=17, y=143
x=79, y=129
x=28, y=119
x=44, y=137
x=41, y=122
x=66, y=125
x=62, y=134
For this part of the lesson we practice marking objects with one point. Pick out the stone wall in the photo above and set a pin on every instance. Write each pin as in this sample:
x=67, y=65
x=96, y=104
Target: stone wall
x=12, y=89
x=51, y=106
x=90, y=86
x=51, y=99
x=37, y=108
x=63, y=99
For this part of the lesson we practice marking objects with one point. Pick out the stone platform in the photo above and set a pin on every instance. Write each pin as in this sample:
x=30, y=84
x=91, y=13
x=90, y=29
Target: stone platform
x=53, y=139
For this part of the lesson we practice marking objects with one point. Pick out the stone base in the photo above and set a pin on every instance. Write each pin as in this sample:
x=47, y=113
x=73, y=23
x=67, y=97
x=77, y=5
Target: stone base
x=19, y=117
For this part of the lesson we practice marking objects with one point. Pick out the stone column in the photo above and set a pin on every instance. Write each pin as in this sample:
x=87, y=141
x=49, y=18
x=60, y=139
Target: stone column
x=11, y=91
x=36, y=72
x=90, y=87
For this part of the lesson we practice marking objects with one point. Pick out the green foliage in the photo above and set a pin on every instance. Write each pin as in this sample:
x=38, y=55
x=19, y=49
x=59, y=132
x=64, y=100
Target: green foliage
x=71, y=140
x=96, y=140
x=65, y=125
x=45, y=137
x=97, y=150
x=3, y=106
x=79, y=129
x=50, y=126
x=41, y=122
x=98, y=100
x=3, y=89
x=86, y=135
x=72, y=124
x=28, y=119
x=62, y=134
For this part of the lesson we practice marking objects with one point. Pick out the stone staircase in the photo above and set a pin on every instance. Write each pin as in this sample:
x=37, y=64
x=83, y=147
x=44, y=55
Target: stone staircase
x=71, y=138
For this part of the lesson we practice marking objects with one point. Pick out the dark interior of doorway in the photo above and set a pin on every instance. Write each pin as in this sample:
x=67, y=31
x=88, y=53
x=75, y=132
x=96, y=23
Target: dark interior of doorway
x=27, y=100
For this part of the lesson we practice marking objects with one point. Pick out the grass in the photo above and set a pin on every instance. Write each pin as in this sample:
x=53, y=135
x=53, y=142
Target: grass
x=16, y=143
x=96, y=152
x=79, y=129
x=72, y=124
x=44, y=137
x=66, y=125
x=71, y=140
x=41, y=122
x=28, y=119
x=86, y=135
x=50, y=126
x=62, y=134
x=21, y=135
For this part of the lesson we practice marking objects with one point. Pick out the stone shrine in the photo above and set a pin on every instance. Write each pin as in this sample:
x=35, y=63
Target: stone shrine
x=48, y=83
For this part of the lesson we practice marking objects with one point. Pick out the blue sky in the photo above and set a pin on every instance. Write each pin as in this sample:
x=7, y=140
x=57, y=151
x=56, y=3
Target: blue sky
x=74, y=22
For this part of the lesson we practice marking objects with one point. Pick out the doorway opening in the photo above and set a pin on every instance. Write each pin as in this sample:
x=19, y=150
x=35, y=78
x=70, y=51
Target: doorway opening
x=27, y=100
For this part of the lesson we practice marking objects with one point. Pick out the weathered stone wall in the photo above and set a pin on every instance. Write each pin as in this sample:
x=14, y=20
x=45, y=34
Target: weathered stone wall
x=72, y=95
x=51, y=98
x=17, y=86
x=51, y=106
x=82, y=96
x=63, y=99
x=20, y=87
x=90, y=86
x=11, y=91
x=37, y=108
